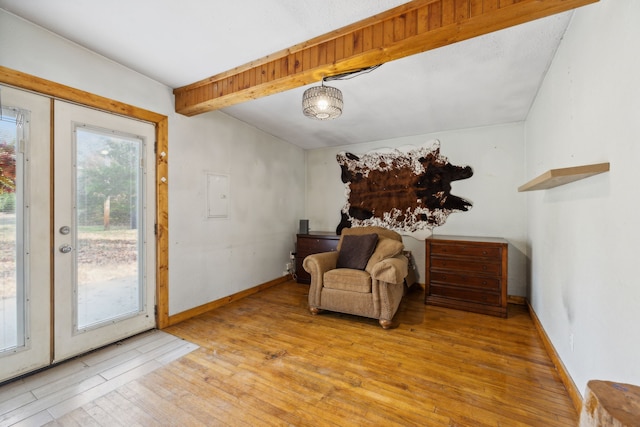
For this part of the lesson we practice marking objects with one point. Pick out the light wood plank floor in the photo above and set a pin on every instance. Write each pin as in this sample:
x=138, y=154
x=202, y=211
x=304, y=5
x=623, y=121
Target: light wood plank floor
x=51, y=394
x=265, y=361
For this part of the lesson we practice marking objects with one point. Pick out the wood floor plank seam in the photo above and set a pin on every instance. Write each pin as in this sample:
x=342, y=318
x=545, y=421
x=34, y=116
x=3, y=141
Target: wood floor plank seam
x=51, y=396
x=265, y=360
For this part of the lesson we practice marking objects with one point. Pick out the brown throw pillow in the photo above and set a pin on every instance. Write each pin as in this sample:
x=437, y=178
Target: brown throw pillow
x=356, y=251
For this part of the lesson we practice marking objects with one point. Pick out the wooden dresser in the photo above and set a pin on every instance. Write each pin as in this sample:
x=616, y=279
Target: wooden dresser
x=467, y=273
x=313, y=243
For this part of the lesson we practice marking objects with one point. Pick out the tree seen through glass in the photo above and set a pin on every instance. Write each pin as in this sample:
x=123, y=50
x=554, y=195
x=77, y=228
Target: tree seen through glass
x=108, y=175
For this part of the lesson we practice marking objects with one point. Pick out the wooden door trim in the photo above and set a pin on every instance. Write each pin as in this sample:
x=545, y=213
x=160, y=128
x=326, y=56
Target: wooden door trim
x=42, y=86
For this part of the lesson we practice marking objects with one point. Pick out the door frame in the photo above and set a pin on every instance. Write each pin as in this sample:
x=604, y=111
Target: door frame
x=41, y=86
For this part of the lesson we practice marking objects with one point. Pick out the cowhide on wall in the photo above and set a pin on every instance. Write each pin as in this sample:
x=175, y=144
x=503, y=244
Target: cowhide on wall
x=405, y=189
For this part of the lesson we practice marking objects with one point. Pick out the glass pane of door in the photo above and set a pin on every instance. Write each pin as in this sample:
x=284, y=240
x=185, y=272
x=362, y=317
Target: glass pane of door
x=25, y=228
x=12, y=279
x=108, y=283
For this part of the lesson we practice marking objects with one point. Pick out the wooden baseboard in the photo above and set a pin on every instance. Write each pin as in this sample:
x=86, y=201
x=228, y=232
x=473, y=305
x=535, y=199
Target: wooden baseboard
x=182, y=316
x=515, y=299
x=566, y=379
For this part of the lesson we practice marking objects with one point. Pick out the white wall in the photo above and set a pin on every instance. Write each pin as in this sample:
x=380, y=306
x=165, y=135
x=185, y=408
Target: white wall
x=208, y=259
x=584, y=235
x=496, y=155
x=213, y=258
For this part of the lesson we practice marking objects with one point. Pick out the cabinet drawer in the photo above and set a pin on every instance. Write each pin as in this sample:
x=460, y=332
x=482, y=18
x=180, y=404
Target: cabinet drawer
x=313, y=246
x=464, y=294
x=465, y=250
x=467, y=273
x=480, y=266
x=467, y=281
x=301, y=273
x=308, y=244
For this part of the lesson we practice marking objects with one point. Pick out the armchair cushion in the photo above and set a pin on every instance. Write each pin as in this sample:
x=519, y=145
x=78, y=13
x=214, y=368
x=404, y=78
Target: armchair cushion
x=391, y=270
x=346, y=279
x=356, y=251
x=386, y=248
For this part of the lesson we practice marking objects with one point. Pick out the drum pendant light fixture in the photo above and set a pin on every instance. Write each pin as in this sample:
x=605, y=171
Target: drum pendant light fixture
x=325, y=102
x=322, y=102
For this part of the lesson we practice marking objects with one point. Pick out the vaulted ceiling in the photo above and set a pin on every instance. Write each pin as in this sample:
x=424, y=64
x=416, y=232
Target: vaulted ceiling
x=449, y=84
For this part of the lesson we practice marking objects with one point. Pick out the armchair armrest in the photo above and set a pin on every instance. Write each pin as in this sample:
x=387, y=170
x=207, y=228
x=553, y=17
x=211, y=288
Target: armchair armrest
x=391, y=270
x=320, y=262
x=316, y=265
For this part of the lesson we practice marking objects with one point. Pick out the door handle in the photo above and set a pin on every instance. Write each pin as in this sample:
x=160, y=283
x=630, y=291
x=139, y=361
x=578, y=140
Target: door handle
x=65, y=249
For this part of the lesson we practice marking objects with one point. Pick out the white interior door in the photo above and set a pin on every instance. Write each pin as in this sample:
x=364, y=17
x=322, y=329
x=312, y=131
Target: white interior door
x=25, y=285
x=103, y=232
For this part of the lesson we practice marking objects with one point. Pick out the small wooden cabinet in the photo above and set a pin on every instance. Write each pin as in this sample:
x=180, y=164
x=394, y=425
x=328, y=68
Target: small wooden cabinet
x=467, y=273
x=313, y=243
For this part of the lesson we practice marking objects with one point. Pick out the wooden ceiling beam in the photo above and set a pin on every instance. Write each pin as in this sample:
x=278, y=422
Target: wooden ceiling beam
x=412, y=28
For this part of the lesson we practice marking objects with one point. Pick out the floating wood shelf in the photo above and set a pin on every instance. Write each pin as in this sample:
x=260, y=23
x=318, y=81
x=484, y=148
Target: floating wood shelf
x=555, y=177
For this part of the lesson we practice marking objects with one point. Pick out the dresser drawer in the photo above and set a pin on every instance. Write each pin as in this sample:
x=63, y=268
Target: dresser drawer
x=301, y=273
x=465, y=250
x=313, y=246
x=465, y=294
x=467, y=281
x=454, y=264
x=309, y=244
x=467, y=273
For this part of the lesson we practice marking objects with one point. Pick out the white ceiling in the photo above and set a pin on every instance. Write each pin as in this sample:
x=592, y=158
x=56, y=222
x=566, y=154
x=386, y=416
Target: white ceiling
x=488, y=80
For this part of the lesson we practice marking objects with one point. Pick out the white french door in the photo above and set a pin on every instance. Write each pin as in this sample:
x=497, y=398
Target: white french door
x=77, y=241
x=25, y=285
x=104, y=281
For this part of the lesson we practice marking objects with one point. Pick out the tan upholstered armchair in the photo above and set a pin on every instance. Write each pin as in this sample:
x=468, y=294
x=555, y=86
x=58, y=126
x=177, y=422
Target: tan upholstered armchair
x=375, y=290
